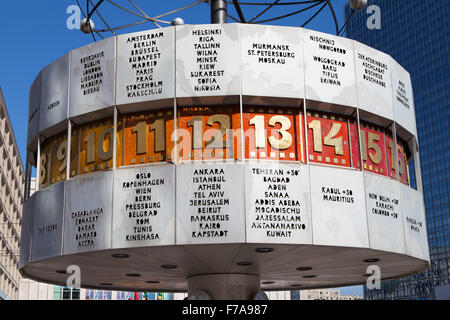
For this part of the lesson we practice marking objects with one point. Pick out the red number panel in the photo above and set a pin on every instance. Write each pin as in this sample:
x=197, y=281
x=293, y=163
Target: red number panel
x=328, y=140
x=272, y=133
x=402, y=161
x=373, y=149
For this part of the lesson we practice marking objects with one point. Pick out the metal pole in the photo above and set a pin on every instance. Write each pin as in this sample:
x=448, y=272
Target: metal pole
x=27, y=170
x=218, y=11
x=223, y=286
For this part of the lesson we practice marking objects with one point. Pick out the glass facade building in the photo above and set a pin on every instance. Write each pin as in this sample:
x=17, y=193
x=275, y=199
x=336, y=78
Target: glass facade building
x=416, y=34
x=65, y=293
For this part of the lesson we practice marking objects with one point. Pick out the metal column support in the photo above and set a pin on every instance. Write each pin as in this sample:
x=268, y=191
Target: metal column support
x=218, y=11
x=68, y=149
x=223, y=287
x=38, y=165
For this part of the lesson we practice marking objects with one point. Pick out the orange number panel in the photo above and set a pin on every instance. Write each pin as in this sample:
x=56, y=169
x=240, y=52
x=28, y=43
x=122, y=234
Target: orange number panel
x=44, y=166
x=147, y=137
x=96, y=146
x=373, y=149
x=209, y=133
x=328, y=139
x=53, y=160
x=58, y=159
x=272, y=133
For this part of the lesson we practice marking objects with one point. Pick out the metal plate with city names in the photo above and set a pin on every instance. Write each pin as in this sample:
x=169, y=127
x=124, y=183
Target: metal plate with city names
x=403, y=98
x=272, y=61
x=54, y=93
x=278, y=203
x=144, y=206
x=92, y=77
x=27, y=231
x=373, y=76
x=384, y=214
x=87, y=222
x=48, y=222
x=208, y=60
x=210, y=203
x=33, y=113
x=145, y=67
x=329, y=68
x=338, y=207
x=414, y=224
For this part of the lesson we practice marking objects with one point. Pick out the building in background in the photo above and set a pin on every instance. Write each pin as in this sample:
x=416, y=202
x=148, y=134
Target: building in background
x=121, y=295
x=279, y=295
x=320, y=294
x=32, y=290
x=326, y=294
x=272, y=295
x=316, y=294
x=11, y=202
x=416, y=34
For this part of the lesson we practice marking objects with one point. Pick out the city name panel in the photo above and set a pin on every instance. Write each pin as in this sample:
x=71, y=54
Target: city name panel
x=279, y=152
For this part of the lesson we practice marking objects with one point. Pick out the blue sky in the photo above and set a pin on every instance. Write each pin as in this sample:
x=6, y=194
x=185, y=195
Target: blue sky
x=34, y=33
